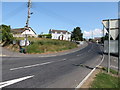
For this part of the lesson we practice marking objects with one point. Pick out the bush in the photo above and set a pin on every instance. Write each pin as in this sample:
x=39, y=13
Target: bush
x=45, y=36
x=7, y=36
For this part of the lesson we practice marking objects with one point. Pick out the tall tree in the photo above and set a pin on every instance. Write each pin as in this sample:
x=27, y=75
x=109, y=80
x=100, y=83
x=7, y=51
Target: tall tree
x=77, y=34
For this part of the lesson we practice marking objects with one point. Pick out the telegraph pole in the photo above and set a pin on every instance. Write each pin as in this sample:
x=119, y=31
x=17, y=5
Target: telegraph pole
x=28, y=17
x=92, y=34
x=27, y=22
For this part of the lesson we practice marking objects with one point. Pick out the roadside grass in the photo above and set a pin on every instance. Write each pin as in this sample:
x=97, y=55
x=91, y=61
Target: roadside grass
x=43, y=45
x=111, y=71
x=105, y=80
x=49, y=45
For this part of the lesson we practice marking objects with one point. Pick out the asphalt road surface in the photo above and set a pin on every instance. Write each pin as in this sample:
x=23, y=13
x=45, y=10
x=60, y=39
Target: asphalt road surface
x=65, y=71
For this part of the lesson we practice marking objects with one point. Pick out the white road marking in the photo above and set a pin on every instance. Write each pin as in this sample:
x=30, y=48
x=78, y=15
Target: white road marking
x=31, y=66
x=81, y=83
x=64, y=59
x=78, y=55
x=10, y=82
x=114, y=67
x=2, y=55
x=78, y=87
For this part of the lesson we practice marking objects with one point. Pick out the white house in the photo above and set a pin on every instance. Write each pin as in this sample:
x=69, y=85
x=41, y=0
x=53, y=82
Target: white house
x=60, y=34
x=21, y=32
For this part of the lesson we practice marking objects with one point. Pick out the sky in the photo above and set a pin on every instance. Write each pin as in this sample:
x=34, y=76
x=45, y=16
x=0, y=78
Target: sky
x=60, y=16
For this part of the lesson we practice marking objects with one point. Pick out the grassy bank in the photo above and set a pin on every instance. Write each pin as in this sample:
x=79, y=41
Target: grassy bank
x=48, y=45
x=39, y=45
x=105, y=80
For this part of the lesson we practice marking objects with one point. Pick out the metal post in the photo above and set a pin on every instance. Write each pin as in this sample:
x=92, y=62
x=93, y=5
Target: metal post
x=119, y=47
x=109, y=46
x=119, y=40
x=103, y=35
x=119, y=44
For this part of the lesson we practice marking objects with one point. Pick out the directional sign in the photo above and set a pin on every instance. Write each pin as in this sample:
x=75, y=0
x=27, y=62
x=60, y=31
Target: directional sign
x=113, y=25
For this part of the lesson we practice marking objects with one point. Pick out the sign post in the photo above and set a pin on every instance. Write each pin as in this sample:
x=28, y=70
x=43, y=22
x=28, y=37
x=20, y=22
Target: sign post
x=119, y=49
x=108, y=46
x=112, y=26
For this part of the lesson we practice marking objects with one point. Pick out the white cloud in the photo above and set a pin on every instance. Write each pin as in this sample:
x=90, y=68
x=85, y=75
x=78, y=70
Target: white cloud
x=94, y=33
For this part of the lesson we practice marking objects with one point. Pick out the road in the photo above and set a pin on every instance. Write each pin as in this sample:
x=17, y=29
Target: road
x=65, y=71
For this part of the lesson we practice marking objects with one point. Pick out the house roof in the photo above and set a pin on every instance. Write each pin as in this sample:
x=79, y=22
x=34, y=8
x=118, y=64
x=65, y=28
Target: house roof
x=20, y=30
x=58, y=31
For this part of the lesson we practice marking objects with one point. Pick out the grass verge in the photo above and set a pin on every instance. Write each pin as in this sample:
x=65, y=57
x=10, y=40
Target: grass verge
x=105, y=80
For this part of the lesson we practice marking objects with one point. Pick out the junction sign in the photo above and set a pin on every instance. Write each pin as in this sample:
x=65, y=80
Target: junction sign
x=112, y=46
x=112, y=27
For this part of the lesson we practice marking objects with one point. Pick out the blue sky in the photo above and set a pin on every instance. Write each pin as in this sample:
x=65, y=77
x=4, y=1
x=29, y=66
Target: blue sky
x=60, y=15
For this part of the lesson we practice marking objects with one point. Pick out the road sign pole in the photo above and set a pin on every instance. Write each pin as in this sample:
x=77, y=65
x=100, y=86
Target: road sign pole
x=109, y=46
x=119, y=48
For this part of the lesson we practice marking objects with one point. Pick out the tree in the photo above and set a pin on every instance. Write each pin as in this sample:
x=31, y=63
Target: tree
x=77, y=35
x=7, y=36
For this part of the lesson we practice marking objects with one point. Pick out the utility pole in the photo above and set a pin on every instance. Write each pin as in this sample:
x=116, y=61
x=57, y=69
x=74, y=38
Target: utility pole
x=28, y=17
x=27, y=22
x=92, y=34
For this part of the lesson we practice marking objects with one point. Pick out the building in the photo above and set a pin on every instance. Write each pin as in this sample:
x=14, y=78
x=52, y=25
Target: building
x=21, y=32
x=97, y=39
x=60, y=34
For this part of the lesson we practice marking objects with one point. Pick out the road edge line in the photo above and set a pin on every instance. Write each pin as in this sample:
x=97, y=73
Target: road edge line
x=88, y=75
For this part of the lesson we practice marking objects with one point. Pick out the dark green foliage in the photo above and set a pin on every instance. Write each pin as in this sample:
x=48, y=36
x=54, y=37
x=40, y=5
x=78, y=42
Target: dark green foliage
x=77, y=34
x=7, y=36
x=45, y=36
x=106, y=38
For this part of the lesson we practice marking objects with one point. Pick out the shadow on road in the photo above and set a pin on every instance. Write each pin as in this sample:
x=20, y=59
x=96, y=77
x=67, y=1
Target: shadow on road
x=82, y=65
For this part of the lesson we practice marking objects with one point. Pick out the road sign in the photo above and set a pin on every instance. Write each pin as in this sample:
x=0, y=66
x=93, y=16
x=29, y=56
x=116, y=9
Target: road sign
x=112, y=26
x=22, y=42
x=113, y=46
x=114, y=33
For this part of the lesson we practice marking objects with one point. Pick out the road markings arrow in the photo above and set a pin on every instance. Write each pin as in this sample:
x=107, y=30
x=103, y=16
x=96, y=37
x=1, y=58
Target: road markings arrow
x=10, y=82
